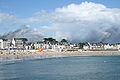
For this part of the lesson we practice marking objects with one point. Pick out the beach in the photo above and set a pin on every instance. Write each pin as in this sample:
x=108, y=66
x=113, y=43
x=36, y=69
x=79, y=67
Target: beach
x=31, y=54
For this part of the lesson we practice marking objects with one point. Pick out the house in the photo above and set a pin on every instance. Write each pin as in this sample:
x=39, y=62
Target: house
x=118, y=46
x=1, y=43
x=97, y=46
x=58, y=47
x=65, y=46
x=43, y=45
x=86, y=47
x=38, y=44
x=29, y=46
x=107, y=46
x=61, y=48
x=4, y=44
x=111, y=47
x=19, y=43
x=101, y=46
x=94, y=46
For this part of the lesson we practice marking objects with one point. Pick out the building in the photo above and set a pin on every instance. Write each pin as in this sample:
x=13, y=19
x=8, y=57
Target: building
x=97, y=46
x=86, y=47
x=101, y=46
x=39, y=44
x=19, y=43
x=1, y=43
x=94, y=46
x=4, y=44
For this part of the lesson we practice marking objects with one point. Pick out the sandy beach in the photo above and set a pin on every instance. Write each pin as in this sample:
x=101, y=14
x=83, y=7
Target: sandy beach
x=30, y=54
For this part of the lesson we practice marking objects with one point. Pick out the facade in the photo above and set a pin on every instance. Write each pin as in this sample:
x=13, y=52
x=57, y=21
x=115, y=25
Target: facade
x=1, y=43
x=118, y=46
x=86, y=47
x=19, y=43
x=101, y=46
x=58, y=47
x=29, y=46
x=110, y=47
x=54, y=47
x=4, y=44
x=97, y=46
x=94, y=46
x=39, y=44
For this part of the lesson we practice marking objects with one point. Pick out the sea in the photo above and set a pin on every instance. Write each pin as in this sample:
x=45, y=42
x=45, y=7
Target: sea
x=62, y=68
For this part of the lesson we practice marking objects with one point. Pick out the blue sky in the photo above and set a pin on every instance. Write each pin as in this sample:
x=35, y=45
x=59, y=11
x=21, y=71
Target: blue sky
x=26, y=8
x=15, y=13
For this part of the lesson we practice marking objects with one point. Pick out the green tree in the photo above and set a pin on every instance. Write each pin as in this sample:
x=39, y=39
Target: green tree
x=24, y=39
x=50, y=39
x=81, y=45
x=64, y=40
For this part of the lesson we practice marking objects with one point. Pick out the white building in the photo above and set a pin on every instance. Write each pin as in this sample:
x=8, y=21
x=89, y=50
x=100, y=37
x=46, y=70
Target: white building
x=19, y=43
x=86, y=47
x=42, y=45
x=108, y=46
x=94, y=46
x=1, y=43
x=118, y=46
x=29, y=46
x=58, y=47
x=4, y=44
x=38, y=44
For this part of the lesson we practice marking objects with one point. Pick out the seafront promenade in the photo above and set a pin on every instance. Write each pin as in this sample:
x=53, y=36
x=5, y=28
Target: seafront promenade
x=31, y=54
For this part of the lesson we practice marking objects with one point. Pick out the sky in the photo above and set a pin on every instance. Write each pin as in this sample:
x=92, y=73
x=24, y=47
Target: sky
x=68, y=19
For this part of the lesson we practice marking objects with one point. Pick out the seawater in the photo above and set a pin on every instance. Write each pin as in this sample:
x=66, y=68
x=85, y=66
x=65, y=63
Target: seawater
x=67, y=68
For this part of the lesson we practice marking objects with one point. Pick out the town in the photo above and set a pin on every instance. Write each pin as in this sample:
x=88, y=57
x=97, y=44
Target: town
x=53, y=45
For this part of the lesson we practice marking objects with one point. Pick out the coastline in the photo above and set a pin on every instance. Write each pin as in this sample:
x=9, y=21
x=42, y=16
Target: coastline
x=6, y=55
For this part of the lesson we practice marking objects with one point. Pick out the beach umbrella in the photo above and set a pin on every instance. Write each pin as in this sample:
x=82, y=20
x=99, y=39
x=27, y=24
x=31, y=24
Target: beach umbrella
x=40, y=49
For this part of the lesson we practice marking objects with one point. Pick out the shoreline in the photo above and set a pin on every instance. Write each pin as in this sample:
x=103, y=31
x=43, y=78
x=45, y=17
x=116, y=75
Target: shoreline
x=35, y=54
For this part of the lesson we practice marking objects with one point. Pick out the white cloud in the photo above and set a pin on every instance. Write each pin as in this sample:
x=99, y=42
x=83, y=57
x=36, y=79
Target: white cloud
x=39, y=17
x=5, y=18
x=87, y=21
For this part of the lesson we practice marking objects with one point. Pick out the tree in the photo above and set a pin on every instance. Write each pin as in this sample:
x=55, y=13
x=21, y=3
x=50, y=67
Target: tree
x=81, y=45
x=64, y=40
x=50, y=40
x=45, y=39
x=24, y=39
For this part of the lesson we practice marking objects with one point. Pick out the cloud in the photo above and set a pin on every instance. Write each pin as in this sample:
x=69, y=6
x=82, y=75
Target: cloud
x=39, y=17
x=83, y=22
x=5, y=18
x=87, y=21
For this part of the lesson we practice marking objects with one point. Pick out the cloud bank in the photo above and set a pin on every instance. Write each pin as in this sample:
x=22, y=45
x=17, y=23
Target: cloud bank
x=87, y=21
x=83, y=22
